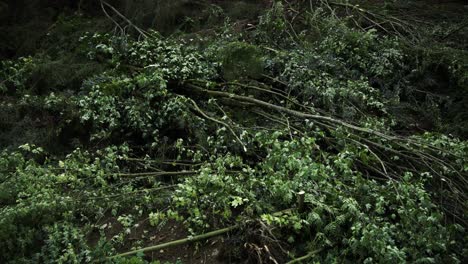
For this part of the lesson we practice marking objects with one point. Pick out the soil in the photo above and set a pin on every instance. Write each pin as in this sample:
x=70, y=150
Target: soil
x=209, y=251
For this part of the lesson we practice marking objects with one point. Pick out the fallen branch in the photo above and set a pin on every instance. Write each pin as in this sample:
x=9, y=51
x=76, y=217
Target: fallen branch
x=291, y=112
x=157, y=173
x=165, y=162
x=177, y=242
x=419, y=155
x=311, y=254
x=187, y=239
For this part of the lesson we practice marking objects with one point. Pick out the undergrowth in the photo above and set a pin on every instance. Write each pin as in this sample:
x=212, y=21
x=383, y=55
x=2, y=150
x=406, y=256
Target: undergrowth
x=230, y=129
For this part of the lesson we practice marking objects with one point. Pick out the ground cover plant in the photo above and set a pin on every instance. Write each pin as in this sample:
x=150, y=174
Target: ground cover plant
x=241, y=132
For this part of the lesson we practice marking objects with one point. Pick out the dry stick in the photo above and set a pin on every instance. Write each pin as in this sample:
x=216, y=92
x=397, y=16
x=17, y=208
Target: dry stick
x=177, y=242
x=108, y=16
x=126, y=19
x=311, y=254
x=375, y=23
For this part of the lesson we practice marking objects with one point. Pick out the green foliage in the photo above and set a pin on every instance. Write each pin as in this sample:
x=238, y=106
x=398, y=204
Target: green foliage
x=363, y=53
x=65, y=244
x=346, y=72
x=273, y=26
x=354, y=217
x=340, y=95
x=241, y=60
x=140, y=106
x=14, y=74
x=455, y=61
x=443, y=142
x=174, y=60
x=46, y=203
x=163, y=151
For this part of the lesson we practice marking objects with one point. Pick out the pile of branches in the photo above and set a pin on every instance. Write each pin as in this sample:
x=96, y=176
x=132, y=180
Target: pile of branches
x=415, y=155
x=208, y=130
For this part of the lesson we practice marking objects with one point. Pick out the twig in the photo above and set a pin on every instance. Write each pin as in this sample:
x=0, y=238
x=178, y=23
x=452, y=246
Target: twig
x=219, y=122
x=311, y=254
x=126, y=19
x=108, y=16
x=455, y=30
x=157, y=174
